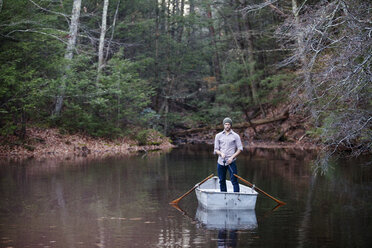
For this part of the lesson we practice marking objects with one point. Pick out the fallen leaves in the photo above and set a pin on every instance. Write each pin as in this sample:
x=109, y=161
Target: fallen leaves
x=44, y=143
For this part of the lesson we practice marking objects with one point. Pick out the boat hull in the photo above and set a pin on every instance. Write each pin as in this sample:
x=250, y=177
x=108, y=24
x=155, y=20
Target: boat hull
x=210, y=197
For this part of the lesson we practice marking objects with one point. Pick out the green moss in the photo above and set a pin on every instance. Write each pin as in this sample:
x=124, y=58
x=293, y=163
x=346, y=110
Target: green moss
x=149, y=137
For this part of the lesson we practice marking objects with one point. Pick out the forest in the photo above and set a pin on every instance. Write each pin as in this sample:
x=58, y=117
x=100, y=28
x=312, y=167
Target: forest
x=111, y=68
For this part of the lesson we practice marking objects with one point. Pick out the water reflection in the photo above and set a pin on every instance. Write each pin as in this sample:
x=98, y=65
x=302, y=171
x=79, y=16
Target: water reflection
x=227, y=238
x=227, y=222
x=124, y=202
x=227, y=219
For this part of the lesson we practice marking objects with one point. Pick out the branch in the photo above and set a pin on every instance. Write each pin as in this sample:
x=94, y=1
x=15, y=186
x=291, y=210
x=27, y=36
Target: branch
x=299, y=9
x=239, y=51
x=50, y=11
x=253, y=123
x=67, y=17
x=255, y=7
x=33, y=31
x=47, y=10
x=17, y=23
x=351, y=134
x=278, y=11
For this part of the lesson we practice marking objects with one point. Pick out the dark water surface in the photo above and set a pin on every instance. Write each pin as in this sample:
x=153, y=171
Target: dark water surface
x=123, y=202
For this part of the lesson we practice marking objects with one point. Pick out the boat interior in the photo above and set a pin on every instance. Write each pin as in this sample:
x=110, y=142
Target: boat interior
x=212, y=185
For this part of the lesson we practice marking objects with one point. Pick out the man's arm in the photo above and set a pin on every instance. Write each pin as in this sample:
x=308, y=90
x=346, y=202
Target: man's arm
x=234, y=156
x=217, y=147
x=218, y=152
x=239, y=147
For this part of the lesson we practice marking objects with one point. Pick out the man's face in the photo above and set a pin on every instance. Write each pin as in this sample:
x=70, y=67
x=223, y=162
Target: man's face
x=227, y=126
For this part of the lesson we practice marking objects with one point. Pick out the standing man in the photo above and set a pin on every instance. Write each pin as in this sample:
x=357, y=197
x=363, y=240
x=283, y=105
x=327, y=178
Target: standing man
x=227, y=145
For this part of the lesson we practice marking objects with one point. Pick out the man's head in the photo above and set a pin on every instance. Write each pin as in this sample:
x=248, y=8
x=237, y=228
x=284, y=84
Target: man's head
x=227, y=123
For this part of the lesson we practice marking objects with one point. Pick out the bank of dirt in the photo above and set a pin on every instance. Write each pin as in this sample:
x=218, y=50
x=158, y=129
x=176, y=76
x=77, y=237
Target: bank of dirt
x=279, y=128
x=50, y=143
x=291, y=132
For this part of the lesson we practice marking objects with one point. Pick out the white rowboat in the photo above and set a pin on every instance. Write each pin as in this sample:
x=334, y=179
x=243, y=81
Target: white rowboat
x=210, y=197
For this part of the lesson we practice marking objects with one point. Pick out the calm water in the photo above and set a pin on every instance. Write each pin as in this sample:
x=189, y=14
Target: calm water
x=124, y=203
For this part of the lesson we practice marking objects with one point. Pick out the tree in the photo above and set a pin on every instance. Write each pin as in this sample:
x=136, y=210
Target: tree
x=29, y=53
x=336, y=71
x=106, y=107
x=212, y=35
x=74, y=25
x=102, y=36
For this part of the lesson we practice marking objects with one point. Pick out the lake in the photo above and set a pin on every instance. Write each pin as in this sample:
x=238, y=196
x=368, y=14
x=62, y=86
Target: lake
x=124, y=202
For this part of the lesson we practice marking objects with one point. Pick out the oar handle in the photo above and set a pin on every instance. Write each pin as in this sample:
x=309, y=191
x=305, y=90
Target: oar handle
x=259, y=190
x=191, y=190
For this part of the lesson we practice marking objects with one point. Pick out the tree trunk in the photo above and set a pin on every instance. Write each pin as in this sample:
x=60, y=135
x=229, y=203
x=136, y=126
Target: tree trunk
x=172, y=25
x=113, y=30
x=300, y=37
x=23, y=124
x=191, y=29
x=251, y=123
x=157, y=34
x=251, y=63
x=73, y=29
x=248, y=65
x=181, y=26
x=69, y=51
x=212, y=35
x=102, y=36
x=304, y=63
x=162, y=17
x=251, y=59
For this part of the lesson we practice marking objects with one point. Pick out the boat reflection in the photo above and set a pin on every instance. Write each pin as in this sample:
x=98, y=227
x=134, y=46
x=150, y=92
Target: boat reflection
x=227, y=238
x=227, y=219
x=228, y=223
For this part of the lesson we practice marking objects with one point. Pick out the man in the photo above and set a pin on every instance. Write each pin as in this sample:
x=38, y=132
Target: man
x=227, y=145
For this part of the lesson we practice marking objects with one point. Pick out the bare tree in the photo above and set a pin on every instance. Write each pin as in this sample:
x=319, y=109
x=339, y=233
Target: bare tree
x=102, y=36
x=336, y=62
x=112, y=30
x=74, y=24
x=296, y=19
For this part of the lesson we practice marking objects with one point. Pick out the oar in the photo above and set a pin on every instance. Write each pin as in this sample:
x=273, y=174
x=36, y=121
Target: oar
x=188, y=192
x=260, y=190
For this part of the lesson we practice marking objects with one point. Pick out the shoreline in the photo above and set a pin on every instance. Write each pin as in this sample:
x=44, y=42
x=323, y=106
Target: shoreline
x=49, y=143
x=43, y=144
x=283, y=145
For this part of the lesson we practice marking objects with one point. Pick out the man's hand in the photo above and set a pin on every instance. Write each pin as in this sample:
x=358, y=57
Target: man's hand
x=221, y=154
x=230, y=160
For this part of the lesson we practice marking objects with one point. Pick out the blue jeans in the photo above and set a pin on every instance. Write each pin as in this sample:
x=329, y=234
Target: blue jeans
x=222, y=176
